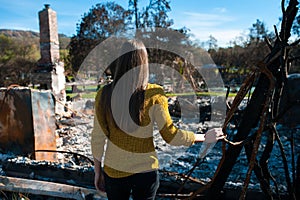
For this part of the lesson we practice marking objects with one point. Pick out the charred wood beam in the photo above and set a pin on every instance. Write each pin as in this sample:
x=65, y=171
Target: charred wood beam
x=259, y=172
x=273, y=61
x=297, y=181
x=46, y=188
x=263, y=162
x=81, y=177
x=75, y=155
x=286, y=169
x=251, y=117
x=263, y=121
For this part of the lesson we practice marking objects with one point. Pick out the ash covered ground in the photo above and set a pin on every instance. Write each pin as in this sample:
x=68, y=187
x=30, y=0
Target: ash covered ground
x=74, y=135
x=74, y=132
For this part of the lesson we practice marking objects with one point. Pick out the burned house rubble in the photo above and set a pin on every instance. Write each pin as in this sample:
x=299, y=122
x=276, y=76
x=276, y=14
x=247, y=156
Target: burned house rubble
x=27, y=120
x=46, y=153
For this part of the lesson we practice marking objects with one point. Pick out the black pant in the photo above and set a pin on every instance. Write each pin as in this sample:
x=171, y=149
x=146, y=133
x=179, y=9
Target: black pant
x=142, y=186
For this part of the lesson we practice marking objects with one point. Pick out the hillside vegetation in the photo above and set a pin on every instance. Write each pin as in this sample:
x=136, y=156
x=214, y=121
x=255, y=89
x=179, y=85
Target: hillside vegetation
x=19, y=53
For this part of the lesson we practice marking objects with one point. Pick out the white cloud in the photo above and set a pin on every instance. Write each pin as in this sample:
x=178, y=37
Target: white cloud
x=217, y=24
x=224, y=37
x=220, y=10
x=205, y=19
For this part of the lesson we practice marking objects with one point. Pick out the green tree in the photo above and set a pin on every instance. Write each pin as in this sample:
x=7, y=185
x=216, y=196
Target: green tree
x=237, y=60
x=153, y=15
x=134, y=11
x=258, y=32
x=7, y=47
x=296, y=26
x=101, y=22
x=212, y=43
x=26, y=49
x=156, y=14
x=17, y=58
x=107, y=19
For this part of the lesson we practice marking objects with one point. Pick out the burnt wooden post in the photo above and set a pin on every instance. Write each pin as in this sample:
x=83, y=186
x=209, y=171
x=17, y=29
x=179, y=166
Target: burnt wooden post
x=253, y=112
x=297, y=184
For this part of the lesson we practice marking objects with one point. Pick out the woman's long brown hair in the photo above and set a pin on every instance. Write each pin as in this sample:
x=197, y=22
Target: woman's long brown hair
x=133, y=56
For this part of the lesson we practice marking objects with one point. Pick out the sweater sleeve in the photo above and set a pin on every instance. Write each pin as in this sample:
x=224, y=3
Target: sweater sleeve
x=169, y=132
x=98, y=138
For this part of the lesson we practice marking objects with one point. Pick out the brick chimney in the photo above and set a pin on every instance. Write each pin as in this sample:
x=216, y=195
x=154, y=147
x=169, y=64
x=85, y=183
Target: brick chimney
x=49, y=43
x=49, y=73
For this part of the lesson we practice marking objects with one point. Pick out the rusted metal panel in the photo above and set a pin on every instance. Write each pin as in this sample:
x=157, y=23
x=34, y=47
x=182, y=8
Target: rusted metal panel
x=16, y=125
x=43, y=115
x=27, y=122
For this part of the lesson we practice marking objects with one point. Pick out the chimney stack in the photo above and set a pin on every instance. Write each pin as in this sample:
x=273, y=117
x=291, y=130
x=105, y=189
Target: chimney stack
x=49, y=73
x=49, y=43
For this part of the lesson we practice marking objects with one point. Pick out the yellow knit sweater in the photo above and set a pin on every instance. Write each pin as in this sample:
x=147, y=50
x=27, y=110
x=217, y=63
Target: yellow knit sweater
x=129, y=153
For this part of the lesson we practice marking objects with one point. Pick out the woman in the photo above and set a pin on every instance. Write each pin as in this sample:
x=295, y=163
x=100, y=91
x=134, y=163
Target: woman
x=125, y=113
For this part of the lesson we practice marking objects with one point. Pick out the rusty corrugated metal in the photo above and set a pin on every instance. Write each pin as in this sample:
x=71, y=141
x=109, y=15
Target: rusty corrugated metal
x=27, y=122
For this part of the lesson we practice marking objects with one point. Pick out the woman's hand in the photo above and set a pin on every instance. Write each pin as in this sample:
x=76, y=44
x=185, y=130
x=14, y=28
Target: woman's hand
x=99, y=176
x=99, y=182
x=211, y=136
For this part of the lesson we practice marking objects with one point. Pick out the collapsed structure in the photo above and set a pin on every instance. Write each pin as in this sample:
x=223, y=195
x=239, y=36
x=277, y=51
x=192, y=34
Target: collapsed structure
x=27, y=120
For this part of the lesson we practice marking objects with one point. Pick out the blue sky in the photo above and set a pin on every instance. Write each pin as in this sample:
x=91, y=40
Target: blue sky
x=223, y=19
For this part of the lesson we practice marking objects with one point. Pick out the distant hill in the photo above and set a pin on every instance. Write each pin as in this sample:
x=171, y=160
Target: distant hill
x=21, y=34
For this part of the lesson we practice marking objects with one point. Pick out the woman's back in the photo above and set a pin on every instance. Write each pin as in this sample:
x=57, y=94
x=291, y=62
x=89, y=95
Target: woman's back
x=134, y=152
